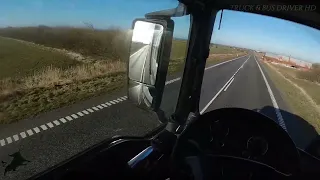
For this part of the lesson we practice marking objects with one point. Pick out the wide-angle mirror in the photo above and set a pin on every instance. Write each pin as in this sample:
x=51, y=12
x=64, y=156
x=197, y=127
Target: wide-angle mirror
x=143, y=62
x=147, y=61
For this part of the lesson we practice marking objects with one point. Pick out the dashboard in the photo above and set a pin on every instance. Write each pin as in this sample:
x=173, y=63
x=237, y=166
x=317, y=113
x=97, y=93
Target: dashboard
x=242, y=133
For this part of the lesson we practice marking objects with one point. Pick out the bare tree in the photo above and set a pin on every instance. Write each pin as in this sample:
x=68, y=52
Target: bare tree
x=88, y=25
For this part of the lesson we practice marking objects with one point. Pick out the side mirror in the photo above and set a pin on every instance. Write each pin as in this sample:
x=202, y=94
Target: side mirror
x=148, y=62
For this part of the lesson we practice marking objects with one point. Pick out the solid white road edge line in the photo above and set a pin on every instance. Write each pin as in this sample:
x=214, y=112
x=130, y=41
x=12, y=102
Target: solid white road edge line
x=218, y=93
x=224, y=62
x=88, y=111
x=273, y=99
x=225, y=89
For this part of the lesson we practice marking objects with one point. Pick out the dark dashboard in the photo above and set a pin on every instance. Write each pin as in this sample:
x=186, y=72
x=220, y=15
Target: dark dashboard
x=246, y=142
x=245, y=134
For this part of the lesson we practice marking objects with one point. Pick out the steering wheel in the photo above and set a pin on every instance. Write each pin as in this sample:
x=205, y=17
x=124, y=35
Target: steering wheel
x=230, y=143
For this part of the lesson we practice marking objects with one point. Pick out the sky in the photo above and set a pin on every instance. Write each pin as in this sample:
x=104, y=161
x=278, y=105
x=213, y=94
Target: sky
x=237, y=29
x=143, y=32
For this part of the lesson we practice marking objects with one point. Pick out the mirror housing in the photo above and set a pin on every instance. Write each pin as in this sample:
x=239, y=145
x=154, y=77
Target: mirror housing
x=148, y=61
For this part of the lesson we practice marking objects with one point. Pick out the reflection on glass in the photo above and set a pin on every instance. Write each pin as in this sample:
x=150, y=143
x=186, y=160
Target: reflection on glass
x=143, y=62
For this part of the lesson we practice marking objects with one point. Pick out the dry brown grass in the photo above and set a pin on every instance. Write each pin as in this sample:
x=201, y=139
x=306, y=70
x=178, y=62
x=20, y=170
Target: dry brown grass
x=53, y=87
x=297, y=94
x=312, y=75
x=52, y=76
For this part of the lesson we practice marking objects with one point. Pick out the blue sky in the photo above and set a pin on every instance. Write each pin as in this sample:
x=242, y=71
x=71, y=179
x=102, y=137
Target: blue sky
x=237, y=29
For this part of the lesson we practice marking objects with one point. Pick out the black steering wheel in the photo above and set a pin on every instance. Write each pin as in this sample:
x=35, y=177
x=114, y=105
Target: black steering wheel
x=235, y=143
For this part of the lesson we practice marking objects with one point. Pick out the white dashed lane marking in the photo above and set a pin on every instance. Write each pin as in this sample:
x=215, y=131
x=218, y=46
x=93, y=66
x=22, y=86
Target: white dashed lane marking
x=223, y=87
x=36, y=129
x=54, y=123
x=95, y=108
x=74, y=116
x=80, y=114
x=43, y=127
x=2, y=142
x=9, y=140
x=23, y=135
x=15, y=137
x=30, y=132
x=50, y=125
x=85, y=112
x=63, y=120
x=68, y=118
x=71, y=117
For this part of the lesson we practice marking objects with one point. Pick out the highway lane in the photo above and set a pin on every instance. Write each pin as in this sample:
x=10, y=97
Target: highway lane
x=138, y=63
x=47, y=148
x=247, y=90
x=214, y=78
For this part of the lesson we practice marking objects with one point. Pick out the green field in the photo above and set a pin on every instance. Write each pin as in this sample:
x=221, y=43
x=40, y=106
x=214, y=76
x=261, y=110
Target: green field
x=19, y=60
x=100, y=44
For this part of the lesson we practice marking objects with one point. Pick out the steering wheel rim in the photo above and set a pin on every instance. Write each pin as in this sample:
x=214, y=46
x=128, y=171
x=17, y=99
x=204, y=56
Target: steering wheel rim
x=219, y=160
x=178, y=159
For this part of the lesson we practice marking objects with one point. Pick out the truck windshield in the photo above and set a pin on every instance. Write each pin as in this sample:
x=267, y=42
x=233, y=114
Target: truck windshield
x=267, y=65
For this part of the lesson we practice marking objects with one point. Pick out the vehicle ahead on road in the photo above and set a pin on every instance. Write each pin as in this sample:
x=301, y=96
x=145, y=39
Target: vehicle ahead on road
x=223, y=143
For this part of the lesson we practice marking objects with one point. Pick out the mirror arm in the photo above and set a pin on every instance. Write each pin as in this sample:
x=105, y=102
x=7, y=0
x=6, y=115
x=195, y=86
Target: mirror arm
x=180, y=10
x=198, y=51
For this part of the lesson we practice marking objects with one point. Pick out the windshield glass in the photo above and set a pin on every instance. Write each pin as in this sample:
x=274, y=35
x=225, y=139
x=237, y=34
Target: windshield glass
x=63, y=78
x=267, y=65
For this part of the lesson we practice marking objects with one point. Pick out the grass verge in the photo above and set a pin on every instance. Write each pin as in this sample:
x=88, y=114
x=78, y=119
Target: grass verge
x=53, y=88
x=35, y=78
x=312, y=88
x=293, y=96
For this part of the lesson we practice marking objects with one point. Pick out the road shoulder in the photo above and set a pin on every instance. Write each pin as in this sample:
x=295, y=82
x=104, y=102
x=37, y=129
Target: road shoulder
x=298, y=112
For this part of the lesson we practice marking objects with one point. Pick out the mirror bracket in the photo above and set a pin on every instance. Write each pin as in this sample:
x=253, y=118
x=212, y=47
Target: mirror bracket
x=180, y=10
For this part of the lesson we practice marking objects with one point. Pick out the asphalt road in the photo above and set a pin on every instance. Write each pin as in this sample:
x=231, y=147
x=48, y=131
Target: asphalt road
x=55, y=136
x=138, y=63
